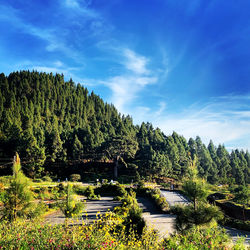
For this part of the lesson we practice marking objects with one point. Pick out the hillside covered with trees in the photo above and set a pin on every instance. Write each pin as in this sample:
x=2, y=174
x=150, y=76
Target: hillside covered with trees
x=52, y=122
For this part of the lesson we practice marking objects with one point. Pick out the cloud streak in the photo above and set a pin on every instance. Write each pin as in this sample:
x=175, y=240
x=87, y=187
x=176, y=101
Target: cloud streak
x=223, y=120
x=126, y=87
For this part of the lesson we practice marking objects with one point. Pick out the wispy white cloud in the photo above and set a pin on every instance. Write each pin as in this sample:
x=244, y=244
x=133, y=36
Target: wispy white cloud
x=58, y=63
x=72, y=3
x=56, y=37
x=127, y=86
x=80, y=7
x=125, y=89
x=162, y=107
x=224, y=120
x=135, y=63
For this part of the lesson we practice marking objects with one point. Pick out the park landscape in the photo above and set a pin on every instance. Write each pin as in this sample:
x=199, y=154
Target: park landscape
x=124, y=124
x=117, y=192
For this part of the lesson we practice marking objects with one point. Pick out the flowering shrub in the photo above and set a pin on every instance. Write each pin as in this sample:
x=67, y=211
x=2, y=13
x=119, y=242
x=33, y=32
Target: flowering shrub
x=107, y=232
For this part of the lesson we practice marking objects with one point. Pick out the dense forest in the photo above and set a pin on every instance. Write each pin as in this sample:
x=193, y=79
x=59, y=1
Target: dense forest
x=51, y=122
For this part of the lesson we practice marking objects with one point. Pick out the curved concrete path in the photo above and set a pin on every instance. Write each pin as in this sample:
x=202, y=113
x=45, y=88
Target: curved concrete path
x=92, y=207
x=174, y=198
x=163, y=223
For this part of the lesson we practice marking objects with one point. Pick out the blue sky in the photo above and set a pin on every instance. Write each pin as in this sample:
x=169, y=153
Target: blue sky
x=182, y=65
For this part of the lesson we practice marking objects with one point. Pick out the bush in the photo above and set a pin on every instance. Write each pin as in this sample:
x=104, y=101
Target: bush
x=5, y=180
x=90, y=193
x=71, y=207
x=43, y=193
x=18, y=196
x=36, y=210
x=155, y=195
x=134, y=221
x=38, y=180
x=188, y=218
x=108, y=233
x=108, y=189
x=239, y=224
x=47, y=178
x=79, y=189
x=131, y=214
x=208, y=238
x=2, y=192
x=75, y=177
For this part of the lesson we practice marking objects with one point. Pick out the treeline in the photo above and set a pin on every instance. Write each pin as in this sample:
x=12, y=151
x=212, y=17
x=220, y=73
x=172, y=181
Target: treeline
x=51, y=121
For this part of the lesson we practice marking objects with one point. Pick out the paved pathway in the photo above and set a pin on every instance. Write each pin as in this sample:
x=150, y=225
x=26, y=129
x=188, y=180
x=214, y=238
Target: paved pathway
x=174, y=198
x=92, y=207
x=235, y=234
x=162, y=222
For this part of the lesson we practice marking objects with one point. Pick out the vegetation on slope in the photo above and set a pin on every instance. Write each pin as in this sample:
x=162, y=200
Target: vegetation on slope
x=53, y=123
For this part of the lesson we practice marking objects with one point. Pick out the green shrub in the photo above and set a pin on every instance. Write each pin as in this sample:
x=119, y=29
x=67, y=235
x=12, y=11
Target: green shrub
x=79, y=189
x=207, y=238
x=70, y=206
x=106, y=234
x=131, y=214
x=239, y=224
x=188, y=218
x=5, y=180
x=47, y=178
x=36, y=210
x=38, y=180
x=75, y=177
x=155, y=195
x=43, y=193
x=58, y=192
x=134, y=221
x=109, y=189
x=90, y=193
x=18, y=195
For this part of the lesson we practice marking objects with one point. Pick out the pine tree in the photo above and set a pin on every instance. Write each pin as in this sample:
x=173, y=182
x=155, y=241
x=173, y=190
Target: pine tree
x=18, y=195
x=71, y=207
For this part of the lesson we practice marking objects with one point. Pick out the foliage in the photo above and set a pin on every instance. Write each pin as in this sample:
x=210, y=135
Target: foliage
x=109, y=189
x=188, y=218
x=18, y=196
x=79, y=189
x=105, y=233
x=155, y=195
x=53, y=123
x=232, y=222
x=2, y=192
x=131, y=214
x=206, y=238
x=195, y=190
x=5, y=180
x=71, y=207
x=47, y=178
x=90, y=193
x=242, y=195
x=75, y=177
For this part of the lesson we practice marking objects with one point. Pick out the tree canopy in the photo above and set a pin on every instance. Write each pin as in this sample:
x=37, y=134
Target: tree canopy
x=50, y=121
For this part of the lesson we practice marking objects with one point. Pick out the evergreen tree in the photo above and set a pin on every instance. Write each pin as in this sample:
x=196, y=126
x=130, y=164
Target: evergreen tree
x=120, y=148
x=18, y=195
